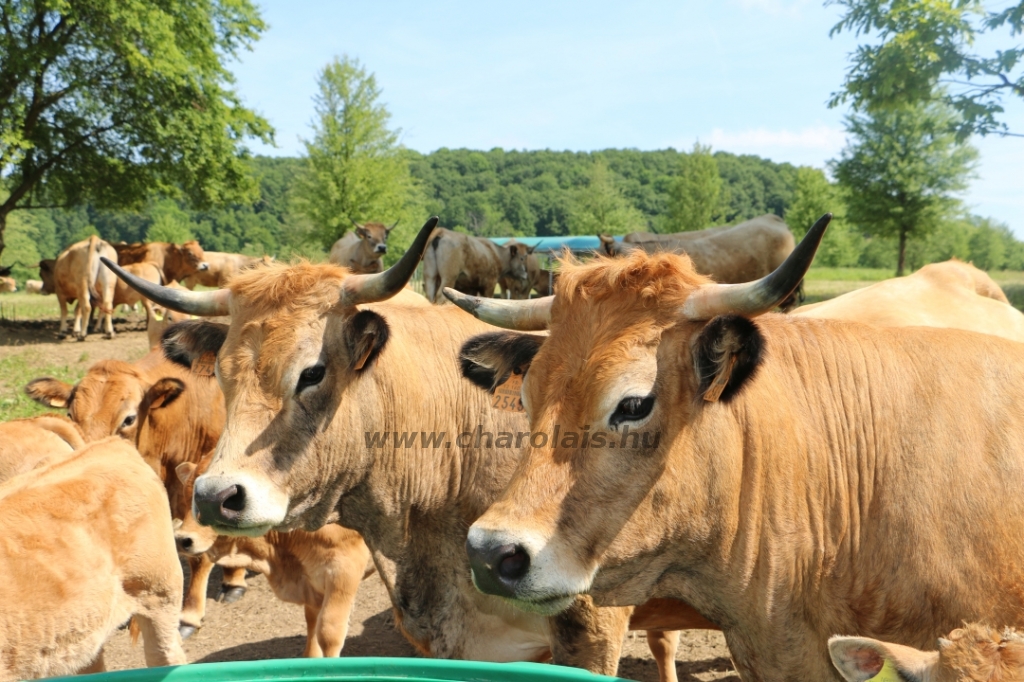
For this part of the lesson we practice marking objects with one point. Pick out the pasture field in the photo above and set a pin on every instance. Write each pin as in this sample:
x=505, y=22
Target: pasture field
x=259, y=626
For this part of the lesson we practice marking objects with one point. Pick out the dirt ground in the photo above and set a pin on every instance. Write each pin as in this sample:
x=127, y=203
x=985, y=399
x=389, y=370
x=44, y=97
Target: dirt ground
x=259, y=626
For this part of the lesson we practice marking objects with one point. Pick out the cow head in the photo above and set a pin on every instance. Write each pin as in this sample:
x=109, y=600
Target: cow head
x=292, y=361
x=185, y=259
x=191, y=537
x=613, y=248
x=642, y=351
x=374, y=236
x=514, y=259
x=46, y=274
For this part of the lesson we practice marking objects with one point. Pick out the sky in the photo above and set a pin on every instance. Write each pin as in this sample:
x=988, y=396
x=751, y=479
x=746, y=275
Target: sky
x=745, y=76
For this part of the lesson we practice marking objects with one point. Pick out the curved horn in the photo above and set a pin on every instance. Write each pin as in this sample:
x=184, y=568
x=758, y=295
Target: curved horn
x=356, y=289
x=759, y=296
x=394, y=225
x=202, y=303
x=357, y=225
x=529, y=316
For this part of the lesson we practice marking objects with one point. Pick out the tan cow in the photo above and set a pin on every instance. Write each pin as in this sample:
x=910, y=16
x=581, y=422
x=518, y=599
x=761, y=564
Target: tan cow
x=176, y=261
x=517, y=278
x=470, y=264
x=172, y=415
x=333, y=351
x=951, y=294
x=87, y=544
x=741, y=253
x=790, y=477
x=8, y=285
x=46, y=275
x=78, y=275
x=34, y=286
x=24, y=443
x=221, y=267
x=361, y=250
x=973, y=653
x=320, y=570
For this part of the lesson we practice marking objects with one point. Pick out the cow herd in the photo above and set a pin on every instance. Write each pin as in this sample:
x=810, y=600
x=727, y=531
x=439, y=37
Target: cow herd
x=839, y=489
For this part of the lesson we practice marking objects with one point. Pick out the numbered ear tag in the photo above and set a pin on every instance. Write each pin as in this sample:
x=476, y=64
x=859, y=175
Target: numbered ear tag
x=508, y=396
x=203, y=365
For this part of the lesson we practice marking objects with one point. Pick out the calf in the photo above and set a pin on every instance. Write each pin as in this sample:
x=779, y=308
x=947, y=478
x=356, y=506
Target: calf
x=321, y=570
x=24, y=443
x=87, y=544
x=361, y=250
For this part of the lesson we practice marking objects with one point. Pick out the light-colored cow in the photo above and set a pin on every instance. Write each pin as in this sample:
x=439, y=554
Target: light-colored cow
x=87, y=544
x=361, y=250
x=973, y=653
x=321, y=570
x=24, y=443
x=8, y=285
x=175, y=261
x=517, y=277
x=78, y=275
x=792, y=478
x=470, y=264
x=34, y=286
x=349, y=371
x=221, y=267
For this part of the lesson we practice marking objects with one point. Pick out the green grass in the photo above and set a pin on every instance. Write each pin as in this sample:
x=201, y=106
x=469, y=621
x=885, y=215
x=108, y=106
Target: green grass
x=848, y=274
x=20, y=368
x=21, y=306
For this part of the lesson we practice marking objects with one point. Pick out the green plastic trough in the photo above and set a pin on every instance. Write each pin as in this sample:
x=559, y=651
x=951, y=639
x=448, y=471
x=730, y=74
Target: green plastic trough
x=356, y=669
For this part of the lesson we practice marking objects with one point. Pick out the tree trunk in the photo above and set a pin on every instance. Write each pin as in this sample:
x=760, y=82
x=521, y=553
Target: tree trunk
x=3, y=228
x=903, y=252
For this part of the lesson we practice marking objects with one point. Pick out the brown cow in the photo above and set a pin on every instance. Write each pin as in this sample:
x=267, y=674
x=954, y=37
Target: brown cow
x=24, y=443
x=8, y=285
x=470, y=264
x=347, y=368
x=361, y=250
x=637, y=237
x=741, y=253
x=87, y=544
x=951, y=294
x=517, y=278
x=78, y=275
x=221, y=267
x=176, y=261
x=125, y=295
x=791, y=478
x=172, y=415
x=973, y=653
x=319, y=570
x=46, y=275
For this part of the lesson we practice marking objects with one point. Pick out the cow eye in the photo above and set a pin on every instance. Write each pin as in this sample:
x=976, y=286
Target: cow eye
x=128, y=421
x=632, y=409
x=311, y=376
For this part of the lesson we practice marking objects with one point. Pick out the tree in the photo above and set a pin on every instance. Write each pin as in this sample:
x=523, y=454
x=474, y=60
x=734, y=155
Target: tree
x=695, y=194
x=900, y=170
x=814, y=196
x=927, y=45
x=599, y=207
x=354, y=167
x=109, y=102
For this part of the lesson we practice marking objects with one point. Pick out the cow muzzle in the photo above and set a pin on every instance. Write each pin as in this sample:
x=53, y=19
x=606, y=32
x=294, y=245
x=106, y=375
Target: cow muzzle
x=238, y=505
x=381, y=248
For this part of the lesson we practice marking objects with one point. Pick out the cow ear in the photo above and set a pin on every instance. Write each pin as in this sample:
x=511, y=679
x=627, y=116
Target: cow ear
x=164, y=392
x=49, y=392
x=726, y=354
x=185, y=341
x=366, y=334
x=514, y=250
x=185, y=471
x=859, y=659
x=489, y=359
x=361, y=232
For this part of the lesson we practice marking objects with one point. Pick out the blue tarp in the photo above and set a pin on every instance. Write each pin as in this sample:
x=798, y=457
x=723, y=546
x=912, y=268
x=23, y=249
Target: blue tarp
x=555, y=245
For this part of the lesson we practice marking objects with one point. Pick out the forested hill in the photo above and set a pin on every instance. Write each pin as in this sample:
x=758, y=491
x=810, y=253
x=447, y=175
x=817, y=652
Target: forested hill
x=489, y=193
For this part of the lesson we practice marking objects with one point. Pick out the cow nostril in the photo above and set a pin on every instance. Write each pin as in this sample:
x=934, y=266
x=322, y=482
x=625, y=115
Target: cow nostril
x=236, y=501
x=514, y=563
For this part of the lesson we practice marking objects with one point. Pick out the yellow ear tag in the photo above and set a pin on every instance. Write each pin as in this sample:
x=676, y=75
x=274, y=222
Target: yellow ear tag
x=508, y=396
x=203, y=365
x=888, y=673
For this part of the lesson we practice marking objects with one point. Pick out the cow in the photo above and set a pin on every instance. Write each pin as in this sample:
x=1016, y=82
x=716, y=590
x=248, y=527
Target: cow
x=973, y=653
x=361, y=249
x=24, y=443
x=951, y=294
x=331, y=350
x=8, y=285
x=517, y=278
x=78, y=275
x=790, y=478
x=125, y=295
x=320, y=570
x=46, y=275
x=34, y=286
x=220, y=268
x=636, y=237
x=471, y=264
x=741, y=253
x=172, y=415
x=87, y=544
x=176, y=261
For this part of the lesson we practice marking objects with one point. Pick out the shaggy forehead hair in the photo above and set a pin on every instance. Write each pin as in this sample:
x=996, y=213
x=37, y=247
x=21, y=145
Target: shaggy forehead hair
x=661, y=278
x=270, y=288
x=978, y=652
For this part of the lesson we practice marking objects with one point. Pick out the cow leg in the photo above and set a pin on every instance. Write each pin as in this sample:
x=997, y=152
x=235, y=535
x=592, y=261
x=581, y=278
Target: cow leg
x=585, y=636
x=63, y=301
x=233, y=586
x=663, y=647
x=83, y=311
x=312, y=649
x=332, y=625
x=160, y=639
x=194, y=608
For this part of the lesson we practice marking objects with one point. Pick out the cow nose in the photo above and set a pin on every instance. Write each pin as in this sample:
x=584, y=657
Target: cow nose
x=223, y=507
x=382, y=248
x=497, y=569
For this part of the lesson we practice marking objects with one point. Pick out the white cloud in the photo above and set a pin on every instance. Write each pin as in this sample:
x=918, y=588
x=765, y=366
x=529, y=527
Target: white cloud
x=813, y=145
x=790, y=8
